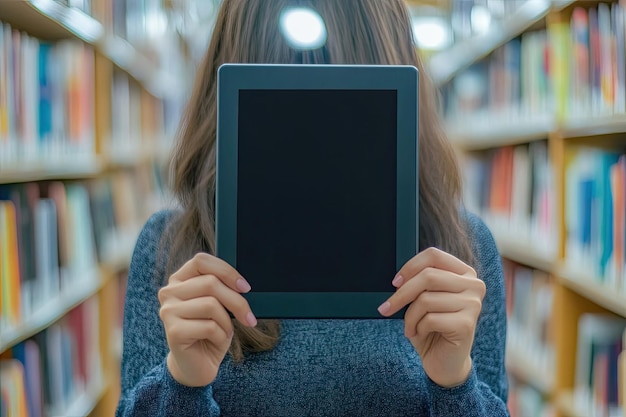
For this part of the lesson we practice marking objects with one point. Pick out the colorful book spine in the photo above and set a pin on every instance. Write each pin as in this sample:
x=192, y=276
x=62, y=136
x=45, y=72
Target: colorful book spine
x=512, y=188
x=580, y=103
x=598, y=348
x=45, y=374
x=46, y=100
x=595, y=214
x=46, y=246
x=573, y=69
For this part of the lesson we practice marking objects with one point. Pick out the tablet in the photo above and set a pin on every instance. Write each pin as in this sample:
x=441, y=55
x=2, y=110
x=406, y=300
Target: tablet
x=316, y=199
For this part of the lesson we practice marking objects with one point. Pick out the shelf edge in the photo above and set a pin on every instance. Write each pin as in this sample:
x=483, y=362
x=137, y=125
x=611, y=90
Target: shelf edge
x=43, y=319
x=444, y=65
x=83, y=26
x=587, y=287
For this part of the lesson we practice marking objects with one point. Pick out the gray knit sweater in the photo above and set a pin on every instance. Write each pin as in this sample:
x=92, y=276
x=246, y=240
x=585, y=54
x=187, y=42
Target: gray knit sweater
x=320, y=367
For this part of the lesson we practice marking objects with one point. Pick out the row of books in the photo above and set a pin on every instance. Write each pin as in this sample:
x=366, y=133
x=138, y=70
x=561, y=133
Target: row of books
x=530, y=349
x=46, y=99
x=54, y=235
x=47, y=107
x=44, y=375
x=529, y=299
x=596, y=38
x=600, y=342
x=139, y=121
x=512, y=188
x=513, y=83
x=571, y=69
x=595, y=210
x=47, y=245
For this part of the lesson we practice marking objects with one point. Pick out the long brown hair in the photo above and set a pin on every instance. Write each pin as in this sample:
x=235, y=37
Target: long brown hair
x=358, y=32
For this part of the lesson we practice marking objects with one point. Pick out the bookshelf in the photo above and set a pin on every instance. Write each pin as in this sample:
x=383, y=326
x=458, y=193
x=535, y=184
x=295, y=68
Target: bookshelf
x=68, y=182
x=579, y=130
x=446, y=64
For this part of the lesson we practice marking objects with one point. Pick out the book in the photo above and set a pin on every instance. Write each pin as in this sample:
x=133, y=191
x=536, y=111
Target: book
x=10, y=308
x=579, y=81
x=622, y=376
x=618, y=14
x=598, y=346
x=28, y=354
x=595, y=213
x=13, y=389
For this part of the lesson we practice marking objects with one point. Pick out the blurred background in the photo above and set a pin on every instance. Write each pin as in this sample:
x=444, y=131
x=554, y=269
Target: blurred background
x=533, y=99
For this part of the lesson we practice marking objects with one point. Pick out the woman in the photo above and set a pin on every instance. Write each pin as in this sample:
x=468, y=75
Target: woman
x=184, y=355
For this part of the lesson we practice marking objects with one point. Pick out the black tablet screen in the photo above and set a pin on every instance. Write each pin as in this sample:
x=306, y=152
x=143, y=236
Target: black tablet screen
x=316, y=180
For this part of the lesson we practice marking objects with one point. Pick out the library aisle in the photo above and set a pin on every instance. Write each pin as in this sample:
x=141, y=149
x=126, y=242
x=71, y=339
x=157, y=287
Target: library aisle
x=534, y=100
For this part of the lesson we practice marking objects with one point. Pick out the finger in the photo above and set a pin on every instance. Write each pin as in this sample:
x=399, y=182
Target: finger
x=207, y=307
x=432, y=302
x=205, y=264
x=455, y=327
x=210, y=285
x=431, y=258
x=187, y=332
x=429, y=279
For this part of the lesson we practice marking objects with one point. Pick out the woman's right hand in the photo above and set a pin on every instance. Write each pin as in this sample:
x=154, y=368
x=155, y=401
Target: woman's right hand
x=198, y=327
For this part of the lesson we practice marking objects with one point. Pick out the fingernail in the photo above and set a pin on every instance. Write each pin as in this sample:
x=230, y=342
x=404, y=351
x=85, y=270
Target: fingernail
x=251, y=319
x=384, y=307
x=397, y=281
x=243, y=285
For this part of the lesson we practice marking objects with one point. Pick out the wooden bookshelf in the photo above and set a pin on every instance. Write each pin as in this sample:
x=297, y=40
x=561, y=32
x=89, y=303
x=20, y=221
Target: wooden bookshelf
x=577, y=291
x=50, y=20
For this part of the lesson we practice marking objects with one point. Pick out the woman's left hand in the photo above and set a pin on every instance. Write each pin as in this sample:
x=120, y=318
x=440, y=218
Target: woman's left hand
x=444, y=298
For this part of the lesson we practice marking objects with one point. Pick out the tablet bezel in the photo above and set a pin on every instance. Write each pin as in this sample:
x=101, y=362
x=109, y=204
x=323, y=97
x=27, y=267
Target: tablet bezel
x=235, y=77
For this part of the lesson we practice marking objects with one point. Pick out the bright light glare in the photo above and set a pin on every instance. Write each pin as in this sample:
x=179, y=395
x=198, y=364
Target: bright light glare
x=156, y=23
x=480, y=19
x=431, y=33
x=303, y=28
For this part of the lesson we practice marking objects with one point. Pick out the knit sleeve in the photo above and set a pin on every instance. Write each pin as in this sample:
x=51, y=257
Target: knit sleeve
x=486, y=390
x=148, y=389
